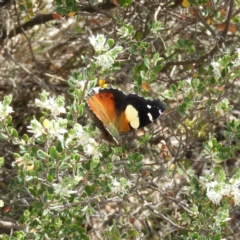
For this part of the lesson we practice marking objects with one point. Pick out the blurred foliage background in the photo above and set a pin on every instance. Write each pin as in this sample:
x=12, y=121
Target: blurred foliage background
x=182, y=51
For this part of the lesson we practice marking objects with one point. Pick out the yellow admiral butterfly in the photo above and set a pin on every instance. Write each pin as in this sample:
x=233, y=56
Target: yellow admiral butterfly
x=117, y=113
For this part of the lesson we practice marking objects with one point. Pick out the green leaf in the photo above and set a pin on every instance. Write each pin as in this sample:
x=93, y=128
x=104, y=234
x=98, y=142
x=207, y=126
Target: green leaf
x=157, y=68
x=7, y=100
x=187, y=100
x=3, y=137
x=217, y=237
x=89, y=190
x=214, y=141
x=59, y=147
x=195, y=82
x=41, y=154
x=79, y=30
x=25, y=138
x=146, y=62
x=124, y=3
x=32, y=191
x=138, y=36
x=22, y=7
x=173, y=87
x=80, y=109
x=26, y=215
x=110, y=42
x=88, y=165
x=45, y=212
x=50, y=177
x=8, y=120
x=1, y=161
x=14, y=132
x=195, y=235
x=38, y=205
x=94, y=163
x=53, y=152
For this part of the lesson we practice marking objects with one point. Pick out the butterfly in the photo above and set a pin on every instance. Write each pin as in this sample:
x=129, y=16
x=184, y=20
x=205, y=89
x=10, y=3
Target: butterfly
x=116, y=113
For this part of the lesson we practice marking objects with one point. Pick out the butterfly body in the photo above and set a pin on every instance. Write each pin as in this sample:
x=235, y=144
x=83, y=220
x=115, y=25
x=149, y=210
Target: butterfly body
x=118, y=113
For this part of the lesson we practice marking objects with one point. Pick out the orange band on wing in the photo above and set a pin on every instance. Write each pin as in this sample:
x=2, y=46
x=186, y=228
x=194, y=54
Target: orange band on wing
x=122, y=124
x=103, y=106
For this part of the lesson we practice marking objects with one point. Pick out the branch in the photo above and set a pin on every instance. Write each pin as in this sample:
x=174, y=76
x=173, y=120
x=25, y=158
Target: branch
x=202, y=20
x=39, y=19
x=191, y=61
x=224, y=33
x=8, y=224
x=161, y=215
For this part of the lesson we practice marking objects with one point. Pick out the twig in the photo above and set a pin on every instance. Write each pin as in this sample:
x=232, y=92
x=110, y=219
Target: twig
x=161, y=215
x=29, y=43
x=224, y=33
x=39, y=81
x=8, y=224
x=202, y=20
x=191, y=61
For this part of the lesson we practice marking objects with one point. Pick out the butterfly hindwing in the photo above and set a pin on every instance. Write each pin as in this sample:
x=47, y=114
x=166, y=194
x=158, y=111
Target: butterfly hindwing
x=142, y=111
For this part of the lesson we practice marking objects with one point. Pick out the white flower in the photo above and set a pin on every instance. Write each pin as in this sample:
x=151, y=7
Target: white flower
x=55, y=106
x=81, y=84
x=214, y=196
x=226, y=189
x=121, y=186
x=79, y=137
x=236, y=192
x=217, y=68
x=62, y=188
x=57, y=128
x=105, y=61
x=91, y=149
x=36, y=128
x=4, y=111
x=88, y=149
x=236, y=197
x=98, y=43
x=189, y=80
x=206, y=178
x=115, y=158
x=211, y=184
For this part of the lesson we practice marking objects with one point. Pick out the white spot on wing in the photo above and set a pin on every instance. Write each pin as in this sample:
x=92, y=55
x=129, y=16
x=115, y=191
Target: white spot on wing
x=149, y=106
x=160, y=111
x=150, y=117
x=96, y=90
x=132, y=116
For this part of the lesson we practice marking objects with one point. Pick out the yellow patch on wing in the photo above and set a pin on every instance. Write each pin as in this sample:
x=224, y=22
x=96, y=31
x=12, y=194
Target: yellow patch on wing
x=132, y=116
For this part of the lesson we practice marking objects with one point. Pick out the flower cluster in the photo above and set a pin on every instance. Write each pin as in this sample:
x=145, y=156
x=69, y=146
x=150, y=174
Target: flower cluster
x=221, y=64
x=54, y=105
x=5, y=109
x=217, y=69
x=64, y=186
x=56, y=128
x=78, y=136
x=120, y=186
x=106, y=57
x=99, y=43
x=217, y=189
